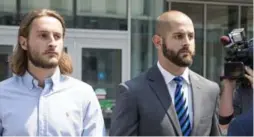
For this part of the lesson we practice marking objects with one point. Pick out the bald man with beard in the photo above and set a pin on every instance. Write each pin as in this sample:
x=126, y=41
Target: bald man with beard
x=169, y=99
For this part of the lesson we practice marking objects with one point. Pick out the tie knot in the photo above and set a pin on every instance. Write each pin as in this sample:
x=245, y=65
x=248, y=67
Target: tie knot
x=178, y=80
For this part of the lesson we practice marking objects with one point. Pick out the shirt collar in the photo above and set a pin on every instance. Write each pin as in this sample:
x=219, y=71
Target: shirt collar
x=168, y=77
x=31, y=82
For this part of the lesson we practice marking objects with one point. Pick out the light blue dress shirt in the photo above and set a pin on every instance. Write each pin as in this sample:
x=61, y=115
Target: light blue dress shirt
x=64, y=107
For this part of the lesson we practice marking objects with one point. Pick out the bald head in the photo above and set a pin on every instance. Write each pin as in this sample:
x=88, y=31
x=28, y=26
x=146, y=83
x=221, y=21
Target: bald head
x=168, y=19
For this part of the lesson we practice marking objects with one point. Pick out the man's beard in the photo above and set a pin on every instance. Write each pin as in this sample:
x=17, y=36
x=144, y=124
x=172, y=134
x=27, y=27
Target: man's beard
x=175, y=58
x=40, y=62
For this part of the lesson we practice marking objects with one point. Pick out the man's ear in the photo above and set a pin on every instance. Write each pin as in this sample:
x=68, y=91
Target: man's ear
x=23, y=42
x=157, y=41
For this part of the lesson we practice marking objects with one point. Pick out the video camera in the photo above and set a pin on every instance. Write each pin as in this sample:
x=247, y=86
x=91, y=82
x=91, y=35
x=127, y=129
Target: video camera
x=239, y=53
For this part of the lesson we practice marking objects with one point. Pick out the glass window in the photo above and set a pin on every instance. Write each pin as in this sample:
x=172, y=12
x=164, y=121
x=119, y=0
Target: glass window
x=8, y=13
x=64, y=7
x=102, y=14
x=143, y=52
x=5, y=52
x=219, y=24
x=196, y=13
x=247, y=21
x=102, y=69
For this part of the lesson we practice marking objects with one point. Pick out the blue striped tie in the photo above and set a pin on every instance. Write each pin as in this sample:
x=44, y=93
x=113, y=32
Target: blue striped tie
x=181, y=107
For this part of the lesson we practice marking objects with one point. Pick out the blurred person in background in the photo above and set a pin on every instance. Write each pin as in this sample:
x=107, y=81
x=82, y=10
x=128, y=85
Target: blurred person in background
x=42, y=99
x=242, y=125
x=235, y=100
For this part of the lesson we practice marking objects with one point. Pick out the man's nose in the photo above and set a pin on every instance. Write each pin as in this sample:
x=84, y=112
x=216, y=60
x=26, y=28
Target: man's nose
x=186, y=41
x=52, y=42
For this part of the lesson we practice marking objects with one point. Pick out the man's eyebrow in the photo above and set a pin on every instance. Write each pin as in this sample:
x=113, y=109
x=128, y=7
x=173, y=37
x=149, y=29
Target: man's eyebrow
x=175, y=33
x=178, y=33
x=42, y=31
x=45, y=31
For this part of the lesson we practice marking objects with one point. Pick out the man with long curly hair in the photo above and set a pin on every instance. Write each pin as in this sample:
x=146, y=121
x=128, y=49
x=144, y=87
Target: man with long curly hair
x=42, y=99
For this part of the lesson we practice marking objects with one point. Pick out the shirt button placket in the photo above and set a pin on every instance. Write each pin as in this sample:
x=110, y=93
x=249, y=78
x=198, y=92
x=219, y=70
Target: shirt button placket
x=43, y=117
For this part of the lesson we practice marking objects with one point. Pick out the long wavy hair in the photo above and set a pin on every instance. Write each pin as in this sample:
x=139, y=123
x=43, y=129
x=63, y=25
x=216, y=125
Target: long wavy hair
x=18, y=61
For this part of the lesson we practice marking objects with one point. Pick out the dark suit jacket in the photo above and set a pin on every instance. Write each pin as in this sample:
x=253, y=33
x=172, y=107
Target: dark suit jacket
x=242, y=125
x=144, y=107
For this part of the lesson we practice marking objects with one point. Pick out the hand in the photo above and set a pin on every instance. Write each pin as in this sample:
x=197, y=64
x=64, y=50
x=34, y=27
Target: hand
x=249, y=74
x=228, y=85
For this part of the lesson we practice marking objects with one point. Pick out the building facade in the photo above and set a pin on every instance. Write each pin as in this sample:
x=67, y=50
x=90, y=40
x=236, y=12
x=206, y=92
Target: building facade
x=110, y=41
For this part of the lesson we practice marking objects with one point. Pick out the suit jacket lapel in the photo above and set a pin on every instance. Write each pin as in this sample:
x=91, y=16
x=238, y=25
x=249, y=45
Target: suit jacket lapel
x=196, y=100
x=158, y=85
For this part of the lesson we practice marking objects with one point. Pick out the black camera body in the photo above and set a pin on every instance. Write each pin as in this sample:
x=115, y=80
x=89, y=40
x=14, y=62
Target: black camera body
x=239, y=53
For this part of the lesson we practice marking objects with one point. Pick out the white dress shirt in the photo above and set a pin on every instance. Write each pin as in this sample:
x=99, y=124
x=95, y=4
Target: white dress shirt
x=171, y=85
x=64, y=107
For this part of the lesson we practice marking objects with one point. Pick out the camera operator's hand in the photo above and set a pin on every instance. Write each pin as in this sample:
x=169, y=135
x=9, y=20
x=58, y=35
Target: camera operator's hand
x=228, y=85
x=226, y=109
x=249, y=74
